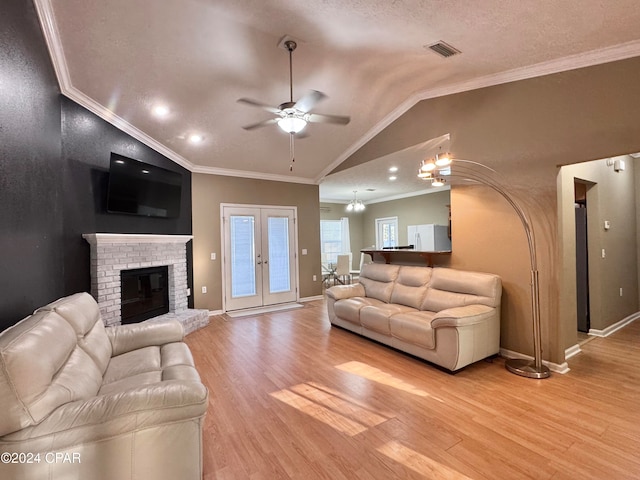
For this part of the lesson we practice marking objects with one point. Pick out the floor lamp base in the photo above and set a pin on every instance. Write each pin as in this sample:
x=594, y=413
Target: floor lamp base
x=527, y=368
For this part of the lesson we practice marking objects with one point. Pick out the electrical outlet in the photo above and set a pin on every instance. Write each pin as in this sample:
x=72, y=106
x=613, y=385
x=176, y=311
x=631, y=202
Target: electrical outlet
x=204, y=289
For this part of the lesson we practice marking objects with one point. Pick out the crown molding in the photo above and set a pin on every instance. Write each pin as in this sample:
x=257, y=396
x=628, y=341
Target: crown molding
x=249, y=174
x=572, y=62
x=46, y=16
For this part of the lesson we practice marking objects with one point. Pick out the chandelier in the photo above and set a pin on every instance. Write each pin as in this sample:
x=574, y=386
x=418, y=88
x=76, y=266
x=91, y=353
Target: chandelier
x=355, y=205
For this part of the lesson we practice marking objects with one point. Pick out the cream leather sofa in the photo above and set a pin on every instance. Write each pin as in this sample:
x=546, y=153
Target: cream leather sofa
x=446, y=316
x=81, y=401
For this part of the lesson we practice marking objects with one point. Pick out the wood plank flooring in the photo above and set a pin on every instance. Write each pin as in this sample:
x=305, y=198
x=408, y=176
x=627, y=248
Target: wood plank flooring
x=293, y=397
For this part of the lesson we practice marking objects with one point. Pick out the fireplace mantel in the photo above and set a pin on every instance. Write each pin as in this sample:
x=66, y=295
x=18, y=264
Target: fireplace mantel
x=123, y=238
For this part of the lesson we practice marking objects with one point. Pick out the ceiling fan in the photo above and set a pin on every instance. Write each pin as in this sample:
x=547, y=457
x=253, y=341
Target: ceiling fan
x=292, y=117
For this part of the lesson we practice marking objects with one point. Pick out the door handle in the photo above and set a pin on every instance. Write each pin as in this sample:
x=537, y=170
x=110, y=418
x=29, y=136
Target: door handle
x=259, y=262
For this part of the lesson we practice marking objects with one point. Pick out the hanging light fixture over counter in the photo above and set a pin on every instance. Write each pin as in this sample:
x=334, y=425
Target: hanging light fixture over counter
x=435, y=168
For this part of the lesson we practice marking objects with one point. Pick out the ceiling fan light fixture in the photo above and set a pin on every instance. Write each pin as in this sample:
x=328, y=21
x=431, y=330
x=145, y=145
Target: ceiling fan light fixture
x=292, y=124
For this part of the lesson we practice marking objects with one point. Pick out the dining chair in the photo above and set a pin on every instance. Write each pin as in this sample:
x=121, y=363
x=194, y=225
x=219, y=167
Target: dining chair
x=343, y=269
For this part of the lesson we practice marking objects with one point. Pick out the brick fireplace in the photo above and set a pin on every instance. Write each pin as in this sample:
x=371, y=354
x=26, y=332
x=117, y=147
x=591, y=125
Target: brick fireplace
x=113, y=253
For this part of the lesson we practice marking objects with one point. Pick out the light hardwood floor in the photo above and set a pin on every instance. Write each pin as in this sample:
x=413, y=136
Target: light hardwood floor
x=292, y=397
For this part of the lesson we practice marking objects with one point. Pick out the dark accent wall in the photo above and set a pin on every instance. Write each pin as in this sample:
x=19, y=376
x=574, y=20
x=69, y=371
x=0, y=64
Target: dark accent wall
x=31, y=226
x=54, y=160
x=87, y=143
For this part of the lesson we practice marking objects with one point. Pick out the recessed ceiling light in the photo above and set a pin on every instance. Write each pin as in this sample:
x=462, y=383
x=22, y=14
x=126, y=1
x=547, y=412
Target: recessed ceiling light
x=196, y=138
x=145, y=171
x=392, y=177
x=160, y=111
x=393, y=169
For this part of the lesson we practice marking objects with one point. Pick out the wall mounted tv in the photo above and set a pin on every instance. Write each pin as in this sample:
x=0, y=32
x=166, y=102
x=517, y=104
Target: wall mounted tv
x=137, y=188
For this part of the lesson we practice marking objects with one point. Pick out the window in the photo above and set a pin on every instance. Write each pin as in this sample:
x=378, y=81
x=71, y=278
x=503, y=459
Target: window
x=334, y=239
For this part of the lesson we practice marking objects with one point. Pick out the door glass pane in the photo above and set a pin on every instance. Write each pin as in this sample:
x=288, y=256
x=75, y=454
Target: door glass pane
x=243, y=272
x=388, y=235
x=278, y=232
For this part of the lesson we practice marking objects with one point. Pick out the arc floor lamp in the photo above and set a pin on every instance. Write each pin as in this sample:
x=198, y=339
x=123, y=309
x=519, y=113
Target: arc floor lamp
x=437, y=170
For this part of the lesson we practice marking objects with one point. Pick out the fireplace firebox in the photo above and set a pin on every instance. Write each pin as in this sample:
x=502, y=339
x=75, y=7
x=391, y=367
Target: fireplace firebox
x=144, y=293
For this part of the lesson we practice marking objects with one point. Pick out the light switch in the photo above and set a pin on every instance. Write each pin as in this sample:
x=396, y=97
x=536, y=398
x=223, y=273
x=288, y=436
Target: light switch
x=304, y=251
x=213, y=255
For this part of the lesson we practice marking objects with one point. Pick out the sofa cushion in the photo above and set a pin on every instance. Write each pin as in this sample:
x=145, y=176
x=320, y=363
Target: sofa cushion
x=455, y=288
x=83, y=314
x=378, y=280
x=149, y=365
x=348, y=309
x=414, y=327
x=376, y=317
x=411, y=286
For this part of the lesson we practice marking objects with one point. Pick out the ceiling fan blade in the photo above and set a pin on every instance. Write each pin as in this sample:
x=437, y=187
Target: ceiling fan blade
x=306, y=103
x=320, y=118
x=263, y=123
x=255, y=103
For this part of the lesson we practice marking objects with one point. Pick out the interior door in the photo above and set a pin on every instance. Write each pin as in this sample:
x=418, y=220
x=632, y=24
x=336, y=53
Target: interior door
x=259, y=256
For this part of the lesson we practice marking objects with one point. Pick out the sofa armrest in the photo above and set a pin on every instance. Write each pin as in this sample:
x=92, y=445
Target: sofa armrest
x=462, y=316
x=125, y=338
x=339, y=292
x=104, y=416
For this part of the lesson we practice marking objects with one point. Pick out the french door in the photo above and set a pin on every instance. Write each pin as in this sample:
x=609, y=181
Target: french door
x=259, y=256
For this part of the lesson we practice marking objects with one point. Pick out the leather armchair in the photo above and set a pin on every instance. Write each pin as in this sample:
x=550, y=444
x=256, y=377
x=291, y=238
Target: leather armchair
x=78, y=400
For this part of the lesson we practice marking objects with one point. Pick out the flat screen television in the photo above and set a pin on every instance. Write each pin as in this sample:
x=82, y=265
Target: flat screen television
x=137, y=188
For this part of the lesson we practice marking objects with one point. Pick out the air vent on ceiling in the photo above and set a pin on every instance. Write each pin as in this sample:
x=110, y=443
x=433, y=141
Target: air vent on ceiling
x=443, y=49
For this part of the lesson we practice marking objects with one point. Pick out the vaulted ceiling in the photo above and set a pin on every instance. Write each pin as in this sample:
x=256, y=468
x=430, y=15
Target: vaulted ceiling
x=122, y=58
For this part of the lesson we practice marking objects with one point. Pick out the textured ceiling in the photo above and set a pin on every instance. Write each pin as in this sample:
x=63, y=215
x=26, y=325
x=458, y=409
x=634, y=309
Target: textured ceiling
x=121, y=57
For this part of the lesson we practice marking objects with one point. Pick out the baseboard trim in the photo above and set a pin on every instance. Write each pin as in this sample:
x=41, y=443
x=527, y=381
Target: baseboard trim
x=572, y=351
x=215, y=312
x=311, y=299
x=554, y=367
x=260, y=310
x=615, y=327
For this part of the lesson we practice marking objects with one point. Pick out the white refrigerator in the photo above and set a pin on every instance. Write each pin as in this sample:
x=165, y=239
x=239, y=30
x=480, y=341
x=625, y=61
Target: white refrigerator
x=429, y=238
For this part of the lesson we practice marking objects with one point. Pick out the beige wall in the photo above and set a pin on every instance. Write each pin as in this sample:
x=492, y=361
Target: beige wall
x=610, y=196
x=209, y=191
x=525, y=130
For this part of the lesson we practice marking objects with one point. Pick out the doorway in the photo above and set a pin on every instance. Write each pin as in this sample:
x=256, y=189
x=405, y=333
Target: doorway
x=259, y=263
x=582, y=258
